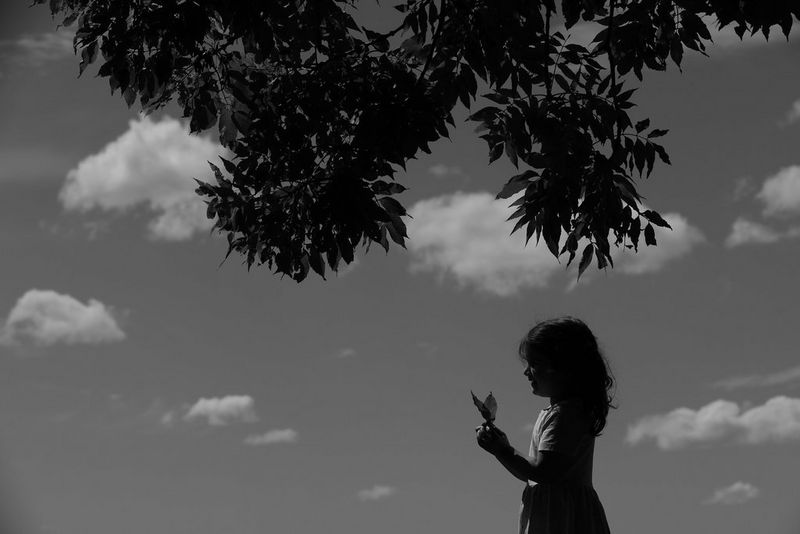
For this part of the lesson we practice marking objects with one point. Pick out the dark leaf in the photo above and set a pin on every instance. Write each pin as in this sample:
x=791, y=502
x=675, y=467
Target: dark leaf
x=317, y=263
x=586, y=259
x=649, y=235
x=656, y=219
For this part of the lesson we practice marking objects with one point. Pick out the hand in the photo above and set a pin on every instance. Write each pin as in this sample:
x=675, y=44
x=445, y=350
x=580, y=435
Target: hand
x=492, y=439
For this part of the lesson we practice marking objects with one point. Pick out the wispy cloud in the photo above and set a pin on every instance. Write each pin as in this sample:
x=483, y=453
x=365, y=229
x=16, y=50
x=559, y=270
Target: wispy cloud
x=272, y=437
x=777, y=420
x=793, y=115
x=737, y=493
x=220, y=411
x=45, y=317
x=152, y=164
x=467, y=236
x=35, y=50
x=347, y=352
x=441, y=171
x=376, y=492
x=745, y=232
x=779, y=378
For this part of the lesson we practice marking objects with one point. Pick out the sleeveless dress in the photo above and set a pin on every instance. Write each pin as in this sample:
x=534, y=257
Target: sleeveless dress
x=570, y=506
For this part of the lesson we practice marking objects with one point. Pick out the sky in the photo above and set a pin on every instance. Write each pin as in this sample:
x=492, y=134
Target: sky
x=146, y=387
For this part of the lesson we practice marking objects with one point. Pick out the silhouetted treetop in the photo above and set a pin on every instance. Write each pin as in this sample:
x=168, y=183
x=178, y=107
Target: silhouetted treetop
x=320, y=112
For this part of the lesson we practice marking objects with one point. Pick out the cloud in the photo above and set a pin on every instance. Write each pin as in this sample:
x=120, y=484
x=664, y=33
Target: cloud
x=34, y=50
x=777, y=420
x=746, y=232
x=793, y=115
x=737, y=493
x=271, y=437
x=467, y=236
x=46, y=318
x=440, y=171
x=220, y=411
x=152, y=164
x=786, y=376
x=347, y=352
x=376, y=492
x=780, y=193
x=672, y=244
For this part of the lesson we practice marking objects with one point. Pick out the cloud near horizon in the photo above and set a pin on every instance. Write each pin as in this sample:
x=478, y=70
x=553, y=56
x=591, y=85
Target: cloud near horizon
x=272, y=437
x=45, y=318
x=786, y=376
x=152, y=164
x=777, y=420
x=737, y=493
x=221, y=411
x=467, y=236
x=376, y=492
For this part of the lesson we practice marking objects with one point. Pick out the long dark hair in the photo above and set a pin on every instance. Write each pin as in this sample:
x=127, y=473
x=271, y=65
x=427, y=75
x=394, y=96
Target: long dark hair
x=568, y=345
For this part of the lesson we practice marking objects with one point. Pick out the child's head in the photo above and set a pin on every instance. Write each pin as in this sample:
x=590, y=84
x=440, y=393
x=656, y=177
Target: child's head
x=568, y=347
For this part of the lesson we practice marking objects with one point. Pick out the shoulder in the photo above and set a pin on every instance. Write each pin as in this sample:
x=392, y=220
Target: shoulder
x=571, y=412
x=573, y=407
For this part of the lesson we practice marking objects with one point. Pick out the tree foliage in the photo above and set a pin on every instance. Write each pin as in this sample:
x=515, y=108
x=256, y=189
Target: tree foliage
x=320, y=113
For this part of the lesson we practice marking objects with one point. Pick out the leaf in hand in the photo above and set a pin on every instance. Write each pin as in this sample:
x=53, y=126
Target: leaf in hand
x=488, y=408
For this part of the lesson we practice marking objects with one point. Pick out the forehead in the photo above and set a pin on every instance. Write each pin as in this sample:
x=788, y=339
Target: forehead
x=535, y=357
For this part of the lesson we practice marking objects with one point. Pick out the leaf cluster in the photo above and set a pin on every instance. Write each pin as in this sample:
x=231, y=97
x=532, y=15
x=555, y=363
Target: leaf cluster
x=319, y=113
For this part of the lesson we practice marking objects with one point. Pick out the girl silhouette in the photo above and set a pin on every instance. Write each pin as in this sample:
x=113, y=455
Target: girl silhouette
x=564, y=363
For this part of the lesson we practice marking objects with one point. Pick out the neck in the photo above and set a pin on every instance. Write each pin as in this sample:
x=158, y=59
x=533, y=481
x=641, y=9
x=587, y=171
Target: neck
x=558, y=398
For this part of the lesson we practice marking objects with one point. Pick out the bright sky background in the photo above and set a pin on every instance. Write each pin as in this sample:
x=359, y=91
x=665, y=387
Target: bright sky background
x=143, y=388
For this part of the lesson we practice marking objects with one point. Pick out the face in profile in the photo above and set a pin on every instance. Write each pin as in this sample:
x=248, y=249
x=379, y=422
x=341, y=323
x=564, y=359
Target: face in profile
x=544, y=379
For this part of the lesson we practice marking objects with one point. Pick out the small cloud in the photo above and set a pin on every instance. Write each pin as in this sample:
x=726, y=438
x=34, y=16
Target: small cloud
x=346, y=353
x=780, y=193
x=746, y=232
x=46, y=318
x=672, y=245
x=441, y=171
x=220, y=411
x=271, y=437
x=737, y=493
x=152, y=164
x=743, y=187
x=168, y=418
x=787, y=376
x=793, y=114
x=376, y=492
x=777, y=420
